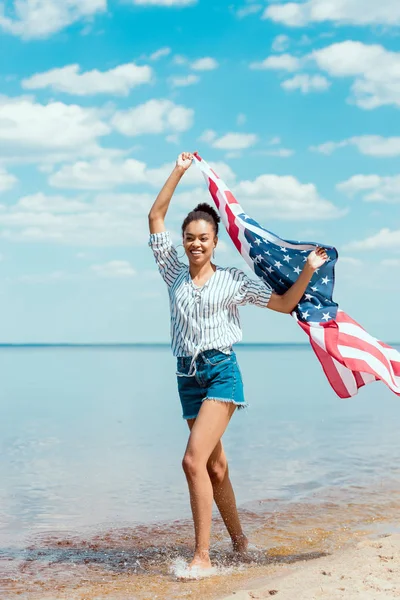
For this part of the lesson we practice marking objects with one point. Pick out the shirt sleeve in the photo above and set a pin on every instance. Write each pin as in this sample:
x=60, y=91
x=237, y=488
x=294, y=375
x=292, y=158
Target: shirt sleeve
x=166, y=256
x=252, y=291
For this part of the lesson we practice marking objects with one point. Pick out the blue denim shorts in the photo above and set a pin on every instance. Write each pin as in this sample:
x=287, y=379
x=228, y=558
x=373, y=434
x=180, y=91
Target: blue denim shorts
x=217, y=377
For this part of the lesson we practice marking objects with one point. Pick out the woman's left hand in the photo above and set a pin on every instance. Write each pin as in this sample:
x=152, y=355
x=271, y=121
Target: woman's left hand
x=317, y=258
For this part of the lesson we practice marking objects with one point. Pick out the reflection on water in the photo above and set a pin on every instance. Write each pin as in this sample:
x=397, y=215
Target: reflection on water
x=93, y=503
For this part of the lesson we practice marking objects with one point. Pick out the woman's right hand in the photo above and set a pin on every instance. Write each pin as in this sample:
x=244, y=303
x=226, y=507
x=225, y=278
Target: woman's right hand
x=184, y=160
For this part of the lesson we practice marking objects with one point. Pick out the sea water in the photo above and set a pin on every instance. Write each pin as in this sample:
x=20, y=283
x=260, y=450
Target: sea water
x=93, y=497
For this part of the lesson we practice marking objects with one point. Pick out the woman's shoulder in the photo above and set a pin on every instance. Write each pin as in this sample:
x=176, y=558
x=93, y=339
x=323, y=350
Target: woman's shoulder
x=233, y=273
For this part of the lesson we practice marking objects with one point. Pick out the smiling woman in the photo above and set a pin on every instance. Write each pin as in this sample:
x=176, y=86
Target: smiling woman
x=204, y=301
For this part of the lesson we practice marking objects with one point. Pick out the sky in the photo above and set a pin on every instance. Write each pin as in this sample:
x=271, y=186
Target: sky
x=295, y=105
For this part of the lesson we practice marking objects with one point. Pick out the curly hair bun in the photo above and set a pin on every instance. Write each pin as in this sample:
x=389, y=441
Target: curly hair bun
x=206, y=208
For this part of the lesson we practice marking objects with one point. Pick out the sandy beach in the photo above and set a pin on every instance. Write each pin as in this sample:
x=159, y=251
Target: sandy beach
x=368, y=571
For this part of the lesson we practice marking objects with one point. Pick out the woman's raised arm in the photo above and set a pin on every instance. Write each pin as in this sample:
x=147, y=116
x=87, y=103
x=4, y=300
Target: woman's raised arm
x=161, y=204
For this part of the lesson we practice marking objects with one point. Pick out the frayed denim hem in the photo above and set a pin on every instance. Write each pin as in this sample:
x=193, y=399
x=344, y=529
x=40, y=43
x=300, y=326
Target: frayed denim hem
x=240, y=405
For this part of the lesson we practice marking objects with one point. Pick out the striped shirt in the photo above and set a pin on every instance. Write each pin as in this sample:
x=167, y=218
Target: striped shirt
x=207, y=317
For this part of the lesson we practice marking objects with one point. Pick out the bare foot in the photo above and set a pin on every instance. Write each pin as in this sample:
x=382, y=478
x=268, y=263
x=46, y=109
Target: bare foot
x=240, y=544
x=200, y=563
x=199, y=567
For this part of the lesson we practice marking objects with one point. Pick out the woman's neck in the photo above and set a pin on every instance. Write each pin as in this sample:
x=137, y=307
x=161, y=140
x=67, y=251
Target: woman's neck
x=202, y=273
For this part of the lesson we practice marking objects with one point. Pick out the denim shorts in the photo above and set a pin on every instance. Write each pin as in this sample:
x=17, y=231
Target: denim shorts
x=217, y=377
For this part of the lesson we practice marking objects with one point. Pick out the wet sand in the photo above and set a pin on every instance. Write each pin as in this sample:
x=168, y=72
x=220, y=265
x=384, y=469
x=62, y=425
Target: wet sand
x=142, y=562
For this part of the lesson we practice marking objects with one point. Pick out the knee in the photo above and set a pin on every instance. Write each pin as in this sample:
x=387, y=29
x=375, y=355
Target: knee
x=191, y=466
x=217, y=471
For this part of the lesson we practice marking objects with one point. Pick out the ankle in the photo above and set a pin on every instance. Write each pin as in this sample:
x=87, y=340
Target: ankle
x=202, y=554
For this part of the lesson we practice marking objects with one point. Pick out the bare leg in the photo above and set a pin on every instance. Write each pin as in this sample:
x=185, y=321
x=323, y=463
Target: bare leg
x=224, y=496
x=206, y=432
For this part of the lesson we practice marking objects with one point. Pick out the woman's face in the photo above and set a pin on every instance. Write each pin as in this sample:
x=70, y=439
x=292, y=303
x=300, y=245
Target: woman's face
x=199, y=241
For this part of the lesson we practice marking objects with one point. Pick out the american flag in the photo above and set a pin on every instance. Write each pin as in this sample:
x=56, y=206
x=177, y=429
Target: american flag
x=349, y=356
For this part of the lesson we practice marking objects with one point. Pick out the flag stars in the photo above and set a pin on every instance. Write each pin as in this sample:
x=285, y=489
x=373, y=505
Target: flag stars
x=308, y=296
x=305, y=314
x=257, y=241
x=283, y=249
x=326, y=316
x=319, y=306
x=325, y=280
x=278, y=264
x=314, y=288
x=297, y=270
x=287, y=258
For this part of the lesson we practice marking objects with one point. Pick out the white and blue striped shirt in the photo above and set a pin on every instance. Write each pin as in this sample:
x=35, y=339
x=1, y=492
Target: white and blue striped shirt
x=207, y=317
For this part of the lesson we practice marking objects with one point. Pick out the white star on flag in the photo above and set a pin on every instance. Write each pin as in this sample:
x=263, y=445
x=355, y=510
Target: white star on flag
x=278, y=264
x=297, y=270
x=325, y=280
x=326, y=316
x=308, y=296
x=287, y=258
x=305, y=315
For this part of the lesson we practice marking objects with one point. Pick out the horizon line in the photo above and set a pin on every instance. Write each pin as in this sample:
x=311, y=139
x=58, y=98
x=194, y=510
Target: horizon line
x=143, y=344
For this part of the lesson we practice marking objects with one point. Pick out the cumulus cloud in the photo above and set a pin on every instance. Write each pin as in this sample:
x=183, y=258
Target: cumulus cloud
x=235, y=141
x=114, y=269
x=370, y=145
x=281, y=62
x=184, y=81
x=340, y=12
x=109, y=174
x=165, y=3
x=153, y=117
x=120, y=80
x=385, y=239
x=246, y=11
x=161, y=53
x=375, y=69
x=53, y=131
x=286, y=198
x=33, y=19
x=7, y=181
x=280, y=43
x=306, y=83
x=372, y=188
x=204, y=64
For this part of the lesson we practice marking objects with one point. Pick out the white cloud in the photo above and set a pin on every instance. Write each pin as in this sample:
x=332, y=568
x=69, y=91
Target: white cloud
x=161, y=53
x=7, y=181
x=32, y=19
x=385, y=239
x=391, y=262
x=341, y=12
x=184, y=81
x=373, y=188
x=165, y=3
x=114, y=269
x=107, y=220
x=246, y=11
x=55, y=130
x=370, y=145
x=204, y=64
x=280, y=43
x=286, y=198
x=235, y=141
x=279, y=152
x=307, y=83
x=108, y=174
x=208, y=136
x=375, y=69
x=120, y=80
x=282, y=62
x=155, y=116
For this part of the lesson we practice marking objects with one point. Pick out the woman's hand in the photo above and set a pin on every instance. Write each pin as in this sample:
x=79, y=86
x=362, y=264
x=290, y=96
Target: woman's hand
x=184, y=160
x=317, y=258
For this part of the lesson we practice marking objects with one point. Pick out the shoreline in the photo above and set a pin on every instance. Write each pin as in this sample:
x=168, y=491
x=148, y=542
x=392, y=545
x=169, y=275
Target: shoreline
x=368, y=570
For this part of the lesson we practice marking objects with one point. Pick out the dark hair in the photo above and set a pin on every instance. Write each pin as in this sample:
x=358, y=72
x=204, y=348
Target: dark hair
x=203, y=212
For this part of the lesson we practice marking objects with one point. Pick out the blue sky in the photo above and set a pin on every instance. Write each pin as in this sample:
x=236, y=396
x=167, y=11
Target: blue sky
x=296, y=105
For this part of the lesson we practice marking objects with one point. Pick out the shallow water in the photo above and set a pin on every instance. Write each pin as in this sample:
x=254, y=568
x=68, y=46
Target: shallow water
x=93, y=503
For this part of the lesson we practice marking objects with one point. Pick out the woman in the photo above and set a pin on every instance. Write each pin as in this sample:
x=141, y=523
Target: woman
x=204, y=300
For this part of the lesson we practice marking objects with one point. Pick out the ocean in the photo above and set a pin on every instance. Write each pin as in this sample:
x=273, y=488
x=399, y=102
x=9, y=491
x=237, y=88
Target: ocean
x=93, y=500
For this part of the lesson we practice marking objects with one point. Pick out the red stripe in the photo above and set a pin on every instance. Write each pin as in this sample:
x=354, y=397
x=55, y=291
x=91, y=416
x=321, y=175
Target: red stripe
x=230, y=197
x=327, y=364
x=354, y=342
x=233, y=229
x=214, y=173
x=213, y=191
x=360, y=365
x=359, y=380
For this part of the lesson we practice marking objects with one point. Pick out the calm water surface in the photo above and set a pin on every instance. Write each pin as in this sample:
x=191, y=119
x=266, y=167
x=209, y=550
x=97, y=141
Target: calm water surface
x=92, y=497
